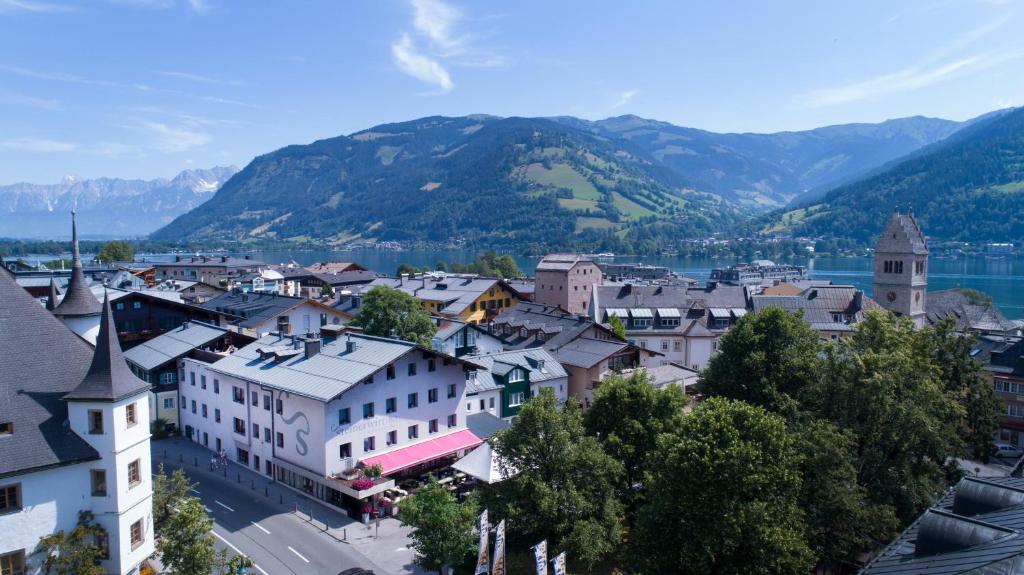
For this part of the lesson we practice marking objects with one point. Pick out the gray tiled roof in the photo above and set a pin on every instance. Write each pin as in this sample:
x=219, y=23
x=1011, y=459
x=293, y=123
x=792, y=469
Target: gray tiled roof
x=40, y=360
x=253, y=309
x=457, y=292
x=502, y=362
x=586, y=352
x=968, y=313
x=567, y=336
x=560, y=262
x=324, y=376
x=976, y=528
x=173, y=344
x=819, y=303
x=485, y=425
x=109, y=377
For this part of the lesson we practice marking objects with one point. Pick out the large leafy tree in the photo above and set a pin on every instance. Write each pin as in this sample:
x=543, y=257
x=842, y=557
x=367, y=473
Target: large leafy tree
x=627, y=416
x=723, y=496
x=185, y=544
x=885, y=388
x=75, y=552
x=766, y=359
x=563, y=485
x=168, y=492
x=389, y=312
x=442, y=527
x=116, y=251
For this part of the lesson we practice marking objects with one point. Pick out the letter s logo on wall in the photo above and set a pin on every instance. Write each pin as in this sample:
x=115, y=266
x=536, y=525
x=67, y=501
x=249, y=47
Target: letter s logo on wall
x=300, y=444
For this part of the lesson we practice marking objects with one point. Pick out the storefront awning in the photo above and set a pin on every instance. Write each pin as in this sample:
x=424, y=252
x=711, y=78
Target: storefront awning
x=425, y=452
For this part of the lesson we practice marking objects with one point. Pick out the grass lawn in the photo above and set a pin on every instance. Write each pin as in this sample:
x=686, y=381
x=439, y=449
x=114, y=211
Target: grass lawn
x=628, y=207
x=563, y=176
x=575, y=204
x=585, y=222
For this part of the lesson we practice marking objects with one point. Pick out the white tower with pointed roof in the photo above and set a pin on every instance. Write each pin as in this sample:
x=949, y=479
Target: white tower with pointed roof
x=901, y=268
x=79, y=309
x=109, y=409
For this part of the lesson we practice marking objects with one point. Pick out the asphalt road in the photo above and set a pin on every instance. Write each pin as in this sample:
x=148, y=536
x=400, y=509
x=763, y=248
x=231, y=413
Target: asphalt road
x=278, y=542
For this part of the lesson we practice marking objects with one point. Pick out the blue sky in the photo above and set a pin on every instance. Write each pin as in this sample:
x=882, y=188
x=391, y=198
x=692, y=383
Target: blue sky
x=146, y=88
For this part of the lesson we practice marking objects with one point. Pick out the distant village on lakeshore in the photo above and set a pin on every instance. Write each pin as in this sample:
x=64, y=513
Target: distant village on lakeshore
x=263, y=365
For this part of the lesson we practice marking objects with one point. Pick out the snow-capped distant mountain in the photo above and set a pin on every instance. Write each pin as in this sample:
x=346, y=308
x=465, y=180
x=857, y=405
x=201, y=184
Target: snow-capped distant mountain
x=107, y=207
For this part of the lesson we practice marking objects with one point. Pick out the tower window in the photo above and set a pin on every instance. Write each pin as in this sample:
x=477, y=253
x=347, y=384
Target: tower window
x=95, y=422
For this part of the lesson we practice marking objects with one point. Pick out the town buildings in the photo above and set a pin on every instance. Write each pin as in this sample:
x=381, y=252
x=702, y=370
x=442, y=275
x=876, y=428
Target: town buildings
x=506, y=380
x=459, y=338
x=469, y=298
x=207, y=269
x=258, y=314
x=757, y=272
x=565, y=280
x=833, y=310
x=74, y=436
x=307, y=411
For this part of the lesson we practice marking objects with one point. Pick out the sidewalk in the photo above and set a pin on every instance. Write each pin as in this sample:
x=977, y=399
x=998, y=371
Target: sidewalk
x=385, y=546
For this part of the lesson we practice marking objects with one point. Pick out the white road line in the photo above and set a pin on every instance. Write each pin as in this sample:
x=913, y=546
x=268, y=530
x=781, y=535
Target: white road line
x=260, y=527
x=299, y=554
x=222, y=505
x=194, y=491
x=208, y=510
x=237, y=550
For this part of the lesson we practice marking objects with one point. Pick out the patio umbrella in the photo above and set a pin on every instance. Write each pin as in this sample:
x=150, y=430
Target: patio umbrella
x=481, y=463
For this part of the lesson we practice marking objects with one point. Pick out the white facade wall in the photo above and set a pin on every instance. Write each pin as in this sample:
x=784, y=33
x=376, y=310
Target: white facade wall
x=303, y=318
x=311, y=432
x=88, y=327
x=691, y=352
x=489, y=401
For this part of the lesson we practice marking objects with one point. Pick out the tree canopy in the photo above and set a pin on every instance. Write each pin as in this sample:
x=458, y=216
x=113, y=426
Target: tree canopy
x=442, y=527
x=75, y=552
x=388, y=312
x=116, y=251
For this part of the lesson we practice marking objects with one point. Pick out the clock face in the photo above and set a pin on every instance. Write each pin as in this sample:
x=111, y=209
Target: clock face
x=891, y=296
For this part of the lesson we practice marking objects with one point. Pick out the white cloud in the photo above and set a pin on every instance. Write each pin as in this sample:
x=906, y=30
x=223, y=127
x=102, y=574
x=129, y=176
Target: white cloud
x=174, y=138
x=1003, y=103
x=420, y=66
x=38, y=145
x=437, y=21
x=200, y=78
x=624, y=98
x=199, y=6
x=32, y=6
x=30, y=101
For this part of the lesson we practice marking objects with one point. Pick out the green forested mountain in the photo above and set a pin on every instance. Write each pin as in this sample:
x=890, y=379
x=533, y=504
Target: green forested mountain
x=968, y=187
x=481, y=179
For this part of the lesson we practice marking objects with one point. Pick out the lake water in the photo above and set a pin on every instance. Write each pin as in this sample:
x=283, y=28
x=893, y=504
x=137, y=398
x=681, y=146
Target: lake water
x=1003, y=279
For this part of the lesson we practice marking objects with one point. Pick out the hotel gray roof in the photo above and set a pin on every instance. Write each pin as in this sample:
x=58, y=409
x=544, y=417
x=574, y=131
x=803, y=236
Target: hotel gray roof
x=485, y=424
x=501, y=363
x=253, y=309
x=560, y=262
x=40, y=361
x=458, y=292
x=324, y=376
x=174, y=344
x=967, y=310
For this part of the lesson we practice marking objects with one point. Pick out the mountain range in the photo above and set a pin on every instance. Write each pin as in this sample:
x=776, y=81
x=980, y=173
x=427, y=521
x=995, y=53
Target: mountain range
x=621, y=183
x=106, y=207
x=968, y=187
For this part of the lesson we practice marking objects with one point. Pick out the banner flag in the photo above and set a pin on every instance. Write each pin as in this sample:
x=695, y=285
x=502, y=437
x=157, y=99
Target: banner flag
x=559, y=562
x=482, y=559
x=540, y=556
x=499, y=550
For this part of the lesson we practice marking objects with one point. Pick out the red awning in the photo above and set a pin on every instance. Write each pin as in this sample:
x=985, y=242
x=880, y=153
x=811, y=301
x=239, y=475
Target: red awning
x=427, y=451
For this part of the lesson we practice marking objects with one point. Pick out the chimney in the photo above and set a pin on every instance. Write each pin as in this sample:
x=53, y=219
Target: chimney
x=312, y=346
x=248, y=256
x=858, y=300
x=350, y=345
x=402, y=279
x=223, y=259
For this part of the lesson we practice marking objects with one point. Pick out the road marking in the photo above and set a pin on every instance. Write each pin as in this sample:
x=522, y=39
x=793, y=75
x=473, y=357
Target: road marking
x=400, y=549
x=222, y=505
x=194, y=491
x=299, y=554
x=237, y=550
x=260, y=527
x=208, y=510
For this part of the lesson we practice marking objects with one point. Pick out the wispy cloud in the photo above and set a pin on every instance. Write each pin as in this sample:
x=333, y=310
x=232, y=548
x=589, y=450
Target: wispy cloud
x=439, y=41
x=1003, y=103
x=624, y=98
x=30, y=101
x=199, y=6
x=75, y=79
x=38, y=145
x=201, y=79
x=32, y=6
x=942, y=64
x=419, y=66
x=168, y=138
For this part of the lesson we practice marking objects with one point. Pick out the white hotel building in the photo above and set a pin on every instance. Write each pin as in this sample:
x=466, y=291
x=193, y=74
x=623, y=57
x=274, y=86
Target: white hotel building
x=74, y=436
x=308, y=411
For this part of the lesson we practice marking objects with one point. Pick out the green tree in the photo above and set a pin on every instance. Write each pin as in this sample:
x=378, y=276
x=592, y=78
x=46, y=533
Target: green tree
x=627, y=417
x=440, y=266
x=388, y=312
x=168, y=492
x=765, y=359
x=232, y=565
x=185, y=544
x=326, y=290
x=404, y=268
x=617, y=326
x=885, y=388
x=723, y=496
x=75, y=552
x=562, y=486
x=116, y=251
x=442, y=527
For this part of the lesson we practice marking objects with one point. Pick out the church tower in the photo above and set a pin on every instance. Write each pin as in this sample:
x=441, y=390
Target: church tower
x=109, y=409
x=901, y=268
x=79, y=310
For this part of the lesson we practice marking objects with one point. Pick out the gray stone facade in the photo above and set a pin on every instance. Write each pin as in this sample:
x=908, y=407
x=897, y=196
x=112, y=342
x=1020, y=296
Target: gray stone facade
x=901, y=268
x=566, y=280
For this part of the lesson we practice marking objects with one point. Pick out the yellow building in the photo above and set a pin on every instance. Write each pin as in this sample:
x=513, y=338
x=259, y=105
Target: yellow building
x=467, y=298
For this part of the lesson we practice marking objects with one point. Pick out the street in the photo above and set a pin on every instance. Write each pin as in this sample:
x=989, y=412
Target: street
x=254, y=517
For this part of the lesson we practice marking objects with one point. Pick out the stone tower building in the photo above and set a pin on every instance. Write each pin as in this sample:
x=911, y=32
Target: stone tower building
x=566, y=280
x=901, y=268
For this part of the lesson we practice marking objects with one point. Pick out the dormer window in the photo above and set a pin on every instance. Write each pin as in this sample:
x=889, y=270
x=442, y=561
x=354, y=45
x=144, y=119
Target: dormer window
x=516, y=375
x=524, y=332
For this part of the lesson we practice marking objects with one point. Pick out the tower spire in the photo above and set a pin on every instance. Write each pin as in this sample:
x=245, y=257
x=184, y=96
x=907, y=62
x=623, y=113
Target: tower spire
x=78, y=299
x=51, y=299
x=108, y=378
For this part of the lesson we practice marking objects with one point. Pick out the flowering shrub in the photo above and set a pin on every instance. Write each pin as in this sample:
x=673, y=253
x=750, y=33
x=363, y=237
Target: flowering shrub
x=362, y=483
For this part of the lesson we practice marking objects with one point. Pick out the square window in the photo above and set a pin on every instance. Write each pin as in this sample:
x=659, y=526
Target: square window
x=391, y=405
x=432, y=426
x=136, y=305
x=369, y=444
x=345, y=450
x=134, y=473
x=130, y=415
x=10, y=498
x=412, y=369
x=414, y=400
x=367, y=410
x=392, y=437
x=237, y=394
x=344, y=416
x=13, y=563
x=168, y=403
x=98, y=479
x=137, y=534
x=414, y=431
x=432, y=395
x=239, y=426
x=451, y=390
x=453, y=420
x=391, y=372
x=280, y=439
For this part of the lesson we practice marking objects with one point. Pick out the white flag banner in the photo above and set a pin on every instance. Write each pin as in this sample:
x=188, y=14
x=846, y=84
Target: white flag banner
x=499, y=550
x=483, y=561
x=540, y=556
x=559, y=563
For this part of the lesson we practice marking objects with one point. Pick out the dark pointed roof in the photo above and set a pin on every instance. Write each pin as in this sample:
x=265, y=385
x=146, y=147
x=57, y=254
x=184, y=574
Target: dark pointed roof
x=902, y=234
x=78, y=301
x=109, y=377
x=40, y=360
x=51, y=299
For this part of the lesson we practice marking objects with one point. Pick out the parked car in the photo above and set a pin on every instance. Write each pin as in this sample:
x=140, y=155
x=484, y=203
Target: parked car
x=1007, y=451
x=356, y=571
